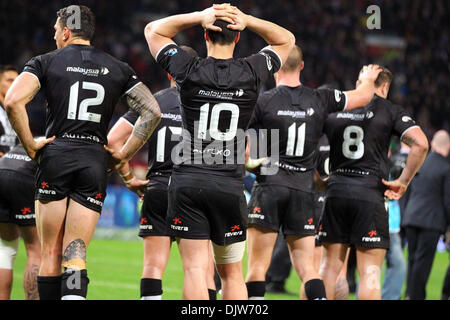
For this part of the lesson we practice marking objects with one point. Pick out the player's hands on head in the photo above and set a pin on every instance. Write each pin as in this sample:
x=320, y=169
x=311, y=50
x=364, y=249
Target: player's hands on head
x=240, y=20
x=38, y=145
x=395, y=190
x=222, y=11
x=370, y=73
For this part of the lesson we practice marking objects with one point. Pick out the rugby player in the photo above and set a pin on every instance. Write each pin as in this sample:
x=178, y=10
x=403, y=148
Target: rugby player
x=355, y=210
x=82, y=86
x=153, y=226
x=286, y=199
x=218, y=95
x=17, y=218
x=8, y=137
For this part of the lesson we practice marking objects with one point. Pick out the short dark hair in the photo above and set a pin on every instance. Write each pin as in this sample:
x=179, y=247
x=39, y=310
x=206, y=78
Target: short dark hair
x=226, y=36
x=86, y=28
x=384, y=76
x=7, y=67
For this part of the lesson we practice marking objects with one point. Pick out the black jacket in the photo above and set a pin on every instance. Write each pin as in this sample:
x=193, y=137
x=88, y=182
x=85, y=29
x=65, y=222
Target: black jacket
x=428, y=205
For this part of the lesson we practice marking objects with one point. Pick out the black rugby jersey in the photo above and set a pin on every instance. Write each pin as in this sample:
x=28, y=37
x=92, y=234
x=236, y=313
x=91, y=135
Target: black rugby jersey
x=82, y=86
x=323, y=157
x=17, y=160
x=217, y=99
x=359, y=143
x=166, y=135
x=298, y=113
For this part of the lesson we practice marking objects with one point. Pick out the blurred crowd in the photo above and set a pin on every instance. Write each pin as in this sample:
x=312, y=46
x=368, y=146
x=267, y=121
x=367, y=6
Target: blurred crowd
x=333, y=35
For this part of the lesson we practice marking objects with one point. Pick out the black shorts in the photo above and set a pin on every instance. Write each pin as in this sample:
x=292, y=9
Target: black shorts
x=206, y=206
x=17, y=198
x=274, y=206
x=319, y=202
x=358, y=222
x=154, y=210
x=73, y=169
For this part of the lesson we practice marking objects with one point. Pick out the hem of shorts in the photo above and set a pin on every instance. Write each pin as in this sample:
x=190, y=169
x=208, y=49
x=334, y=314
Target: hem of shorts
x=153, y=234
x=350, y=243
x=255, y=224
x=54, y=198
x=85, y=205
x=300, y=234
x=27, y=224
x=374, y=246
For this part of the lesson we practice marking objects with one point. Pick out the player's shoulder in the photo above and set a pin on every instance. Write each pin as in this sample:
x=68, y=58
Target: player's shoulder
x=168, y=98
x=46, y=58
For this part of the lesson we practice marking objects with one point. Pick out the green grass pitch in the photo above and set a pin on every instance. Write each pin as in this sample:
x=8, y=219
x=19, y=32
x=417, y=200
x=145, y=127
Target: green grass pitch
x=115, y=267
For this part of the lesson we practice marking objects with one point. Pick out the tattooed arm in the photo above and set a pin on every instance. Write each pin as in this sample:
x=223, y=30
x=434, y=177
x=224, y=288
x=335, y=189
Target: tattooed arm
x=140, y=100
x=417, y=141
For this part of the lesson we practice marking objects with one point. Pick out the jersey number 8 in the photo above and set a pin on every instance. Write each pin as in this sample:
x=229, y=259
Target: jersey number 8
x=353, y=146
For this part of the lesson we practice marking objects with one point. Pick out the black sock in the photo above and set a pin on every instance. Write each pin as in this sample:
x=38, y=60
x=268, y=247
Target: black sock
x=49, y=288
x=151, y=289
x=74, y=284
x=315, y=290
x=212, y=294
x=256, y=290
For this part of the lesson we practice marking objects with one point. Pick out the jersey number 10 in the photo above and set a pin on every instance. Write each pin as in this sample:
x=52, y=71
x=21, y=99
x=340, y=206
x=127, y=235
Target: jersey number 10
x=214, y=131
x=83, y=114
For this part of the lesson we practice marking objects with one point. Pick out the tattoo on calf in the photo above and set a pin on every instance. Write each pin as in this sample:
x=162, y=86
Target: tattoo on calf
x=75, y=250
x=30, y=282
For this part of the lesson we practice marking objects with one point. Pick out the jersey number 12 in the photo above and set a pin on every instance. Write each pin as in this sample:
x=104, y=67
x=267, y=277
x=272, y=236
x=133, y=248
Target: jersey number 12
x=83, y=114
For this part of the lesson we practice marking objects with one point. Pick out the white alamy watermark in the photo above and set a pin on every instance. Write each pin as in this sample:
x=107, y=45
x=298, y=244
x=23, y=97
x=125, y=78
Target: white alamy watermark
x=374, y=20
x=74, y=20
x=216, y=147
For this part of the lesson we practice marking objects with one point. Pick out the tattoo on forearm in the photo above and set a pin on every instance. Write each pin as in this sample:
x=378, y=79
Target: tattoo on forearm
x=141, y=100
x=75, y=250
x=30, y=282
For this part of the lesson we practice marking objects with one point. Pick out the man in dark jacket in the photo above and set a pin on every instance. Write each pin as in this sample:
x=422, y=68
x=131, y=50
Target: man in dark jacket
x=427, y=214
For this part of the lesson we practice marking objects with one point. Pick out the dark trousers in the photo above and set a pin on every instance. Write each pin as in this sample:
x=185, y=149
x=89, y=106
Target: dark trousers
x=421, y=250
x=280, y=265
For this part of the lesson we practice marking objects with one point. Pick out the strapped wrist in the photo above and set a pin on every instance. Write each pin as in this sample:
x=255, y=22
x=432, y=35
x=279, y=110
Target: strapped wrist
x=126, y=174
x=129, y=181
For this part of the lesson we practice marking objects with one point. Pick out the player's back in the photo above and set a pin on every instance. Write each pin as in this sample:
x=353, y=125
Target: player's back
x=359, y=141
x=218, y=98
x=298, y=115
x=82, y=86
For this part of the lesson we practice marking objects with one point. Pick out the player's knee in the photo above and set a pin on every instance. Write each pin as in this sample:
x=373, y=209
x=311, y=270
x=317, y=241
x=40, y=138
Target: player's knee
x=8, y=252
x=230, y=253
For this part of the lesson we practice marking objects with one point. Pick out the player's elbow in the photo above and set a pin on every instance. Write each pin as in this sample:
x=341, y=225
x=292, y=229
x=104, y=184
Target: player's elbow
x=11, y=102
x=148, y=31
x=291, y=39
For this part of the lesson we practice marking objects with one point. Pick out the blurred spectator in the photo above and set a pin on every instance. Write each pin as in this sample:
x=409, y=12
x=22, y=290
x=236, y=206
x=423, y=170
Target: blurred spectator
x=427, y=214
